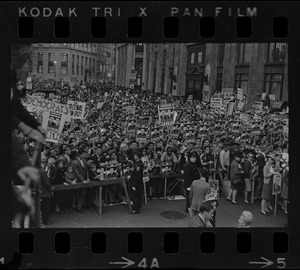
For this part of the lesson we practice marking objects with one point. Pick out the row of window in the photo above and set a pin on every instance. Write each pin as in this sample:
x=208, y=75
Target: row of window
x=84, y=46
x=277, y=52
x=273, y=83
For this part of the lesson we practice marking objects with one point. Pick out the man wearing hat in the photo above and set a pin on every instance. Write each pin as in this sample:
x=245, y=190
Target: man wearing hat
x=191, y=173
x=214, y=203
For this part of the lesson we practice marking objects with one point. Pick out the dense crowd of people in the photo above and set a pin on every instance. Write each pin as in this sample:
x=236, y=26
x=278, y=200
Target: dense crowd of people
x=200, y=145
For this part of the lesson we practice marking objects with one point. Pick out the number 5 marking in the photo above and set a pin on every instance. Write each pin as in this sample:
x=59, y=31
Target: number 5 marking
x=281, y=264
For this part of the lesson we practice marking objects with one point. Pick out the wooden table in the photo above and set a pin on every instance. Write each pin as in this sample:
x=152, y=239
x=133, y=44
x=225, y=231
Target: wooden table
x=105, y=182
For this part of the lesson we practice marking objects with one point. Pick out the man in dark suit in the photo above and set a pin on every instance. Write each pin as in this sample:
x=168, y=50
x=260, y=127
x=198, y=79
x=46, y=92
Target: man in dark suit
x=98, y=157
x=261, y=162
x=122, y=154
x=191, y=173
x=199, y=189
x=46, y=193
x=202, y=219
x=81, y=171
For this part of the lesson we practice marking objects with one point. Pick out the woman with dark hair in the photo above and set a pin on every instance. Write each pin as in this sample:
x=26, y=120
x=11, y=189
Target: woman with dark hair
x=235, y=176
x=268, y=184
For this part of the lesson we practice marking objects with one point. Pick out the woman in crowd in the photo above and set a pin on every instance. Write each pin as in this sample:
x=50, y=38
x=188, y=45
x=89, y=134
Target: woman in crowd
x=60, y=197
x=268, y=184
x=245, y=219
x=70, y=179
x=285, y=188
x=236, y=172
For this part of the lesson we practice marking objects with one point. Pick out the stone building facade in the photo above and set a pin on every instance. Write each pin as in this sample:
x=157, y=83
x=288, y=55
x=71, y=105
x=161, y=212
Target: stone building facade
x=72, y=62
x=183, y=69
x=158, y=68
x=254, y=67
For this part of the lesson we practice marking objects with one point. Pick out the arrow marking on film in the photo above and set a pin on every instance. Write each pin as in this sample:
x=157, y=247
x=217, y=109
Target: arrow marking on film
x=266, y=262
x=127, y=263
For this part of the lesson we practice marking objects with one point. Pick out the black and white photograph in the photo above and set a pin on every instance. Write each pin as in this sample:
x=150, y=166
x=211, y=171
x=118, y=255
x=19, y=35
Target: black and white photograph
x=178, y=135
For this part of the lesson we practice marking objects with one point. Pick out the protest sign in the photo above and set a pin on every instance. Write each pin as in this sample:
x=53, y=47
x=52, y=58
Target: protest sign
x=226, y=94
x=206, y=93
x=53, y=123
x=166, y=114
x=215, y=103
x=99, y=105
x=130, y=109
x=141, y=134
x=246, y=119
x=240, y=94
x=46, y=105
x=258, y=106
x=240, y=105
x=277, y=184
x=77, y=109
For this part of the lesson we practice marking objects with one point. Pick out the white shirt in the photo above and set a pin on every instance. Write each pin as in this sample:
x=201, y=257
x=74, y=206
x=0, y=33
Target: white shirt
x=224, y=158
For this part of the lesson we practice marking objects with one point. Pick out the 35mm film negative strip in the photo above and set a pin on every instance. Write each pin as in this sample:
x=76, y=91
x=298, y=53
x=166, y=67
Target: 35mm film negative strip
x=149, y=134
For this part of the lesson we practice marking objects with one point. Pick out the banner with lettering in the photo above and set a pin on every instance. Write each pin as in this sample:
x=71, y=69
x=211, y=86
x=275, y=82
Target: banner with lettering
x=77, y=109
x=166, y=114
x=37, y=104
x=206, y=93
x=215, y=103
x=53, y=122
x=226, y=94
x=258, y=106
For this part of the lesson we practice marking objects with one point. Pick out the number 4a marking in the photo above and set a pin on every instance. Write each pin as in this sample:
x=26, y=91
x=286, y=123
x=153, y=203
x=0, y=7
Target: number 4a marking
x=2, y=260
x=143, y=263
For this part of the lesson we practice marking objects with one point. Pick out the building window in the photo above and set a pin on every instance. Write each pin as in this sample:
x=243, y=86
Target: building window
x=94, y=66
x=139, y=47
x=40, y=63
x=154, y=72
x=90, y=62
x=163, y=72
x=64, y=63
x=192, y=58
x=197, y=84
x=77, y=65
x=219, y=80
x=241, y=81
x=51, y=66
x=191, y=84
x=81, y=65
x=199, y=57
x=221, y=54
x=73, y=64
x=86, y=61
x=274, y=84
x=244, y=53
x=277, y=52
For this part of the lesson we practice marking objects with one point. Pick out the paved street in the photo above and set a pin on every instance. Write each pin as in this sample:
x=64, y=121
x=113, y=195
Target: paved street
x=117, y=216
